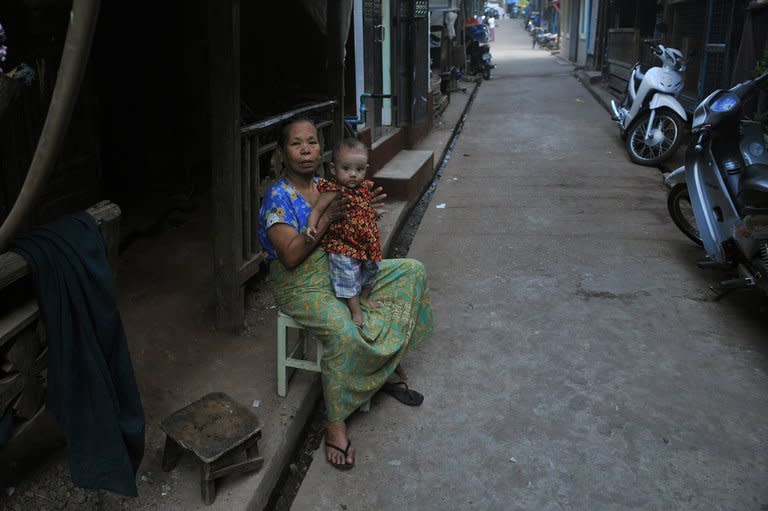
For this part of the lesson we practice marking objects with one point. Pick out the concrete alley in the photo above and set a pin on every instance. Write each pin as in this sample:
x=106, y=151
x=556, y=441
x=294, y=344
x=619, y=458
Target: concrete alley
x=578, y=362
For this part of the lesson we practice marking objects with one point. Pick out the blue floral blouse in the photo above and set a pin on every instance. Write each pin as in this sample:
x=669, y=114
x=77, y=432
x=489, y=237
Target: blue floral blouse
x=282, y=205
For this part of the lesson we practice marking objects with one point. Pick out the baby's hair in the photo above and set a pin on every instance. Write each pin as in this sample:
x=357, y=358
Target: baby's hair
x=350, y=143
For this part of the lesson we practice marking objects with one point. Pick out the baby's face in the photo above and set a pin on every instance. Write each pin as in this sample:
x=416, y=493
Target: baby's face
x=350, y=167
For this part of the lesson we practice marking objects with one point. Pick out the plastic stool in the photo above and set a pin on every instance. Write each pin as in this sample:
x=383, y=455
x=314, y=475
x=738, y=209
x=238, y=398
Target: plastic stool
x=287, y=360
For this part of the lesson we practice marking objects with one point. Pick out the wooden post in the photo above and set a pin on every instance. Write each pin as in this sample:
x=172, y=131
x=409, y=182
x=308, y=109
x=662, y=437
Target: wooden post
x=224, y=77
x=335, y=50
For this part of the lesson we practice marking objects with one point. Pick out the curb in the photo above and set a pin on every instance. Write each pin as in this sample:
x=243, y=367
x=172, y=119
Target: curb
x=599, y=93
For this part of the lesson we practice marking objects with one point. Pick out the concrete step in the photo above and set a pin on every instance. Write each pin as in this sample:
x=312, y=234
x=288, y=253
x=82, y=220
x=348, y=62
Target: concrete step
x=395, y=214
x=406, y=175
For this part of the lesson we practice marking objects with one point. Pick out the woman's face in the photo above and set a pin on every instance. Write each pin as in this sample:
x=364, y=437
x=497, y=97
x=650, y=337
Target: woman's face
x=301, y=153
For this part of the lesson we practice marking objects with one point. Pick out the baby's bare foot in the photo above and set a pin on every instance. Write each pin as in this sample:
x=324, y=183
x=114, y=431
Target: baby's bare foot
x=357, y=318
x=374, y=304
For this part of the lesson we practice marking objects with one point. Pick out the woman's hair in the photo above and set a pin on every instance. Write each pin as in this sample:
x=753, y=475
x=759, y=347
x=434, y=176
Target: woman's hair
x=282, y=138
x=350, y=143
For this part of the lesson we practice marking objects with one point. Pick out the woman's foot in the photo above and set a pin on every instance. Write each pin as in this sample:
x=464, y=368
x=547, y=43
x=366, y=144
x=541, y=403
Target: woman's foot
x=336, y=435
x=399, y=371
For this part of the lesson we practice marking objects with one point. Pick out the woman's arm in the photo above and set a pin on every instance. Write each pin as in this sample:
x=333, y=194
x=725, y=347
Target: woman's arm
x=293, y=247
x=325, y=200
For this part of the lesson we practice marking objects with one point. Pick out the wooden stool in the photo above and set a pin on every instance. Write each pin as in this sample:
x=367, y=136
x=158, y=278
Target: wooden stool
x=220, y=432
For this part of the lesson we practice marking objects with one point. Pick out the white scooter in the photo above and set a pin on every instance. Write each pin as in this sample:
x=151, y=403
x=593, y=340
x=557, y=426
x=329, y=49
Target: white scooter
x=650, y=116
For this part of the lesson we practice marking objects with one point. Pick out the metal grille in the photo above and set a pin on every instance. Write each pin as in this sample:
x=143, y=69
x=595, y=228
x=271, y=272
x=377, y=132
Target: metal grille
x=691, y=19
x=718, y=27
x=714, y=72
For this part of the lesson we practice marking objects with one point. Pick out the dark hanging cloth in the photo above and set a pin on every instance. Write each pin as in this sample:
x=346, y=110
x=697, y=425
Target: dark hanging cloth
x=91, y=385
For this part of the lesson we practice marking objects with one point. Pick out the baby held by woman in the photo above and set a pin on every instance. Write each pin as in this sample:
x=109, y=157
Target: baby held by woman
x=353, y=244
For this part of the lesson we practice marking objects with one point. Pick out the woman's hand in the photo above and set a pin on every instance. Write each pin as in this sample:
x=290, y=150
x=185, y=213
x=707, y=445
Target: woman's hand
x=377, y=200
x=291, y=246
x=336, y=208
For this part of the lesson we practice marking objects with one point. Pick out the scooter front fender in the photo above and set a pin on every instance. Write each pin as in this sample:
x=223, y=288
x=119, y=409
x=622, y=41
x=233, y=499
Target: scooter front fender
x=631, y=84
x=675, y=177
x=665, y=100
x=713, y=208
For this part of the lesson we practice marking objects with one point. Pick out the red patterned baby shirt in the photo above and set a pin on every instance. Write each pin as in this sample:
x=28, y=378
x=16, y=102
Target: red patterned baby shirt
x=357, y=235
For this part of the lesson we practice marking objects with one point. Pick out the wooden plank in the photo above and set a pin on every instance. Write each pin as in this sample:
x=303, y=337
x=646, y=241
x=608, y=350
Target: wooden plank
x=24, y=351
x=242, y=467
x=25, y=426
x=107, y=216
x=255, y=193
x=267, y=148
x=251, y=267
x=247, y=173
x=10, y=388
x=18, y=319
x=12, y=268
x=275, y=121
x=224, y=78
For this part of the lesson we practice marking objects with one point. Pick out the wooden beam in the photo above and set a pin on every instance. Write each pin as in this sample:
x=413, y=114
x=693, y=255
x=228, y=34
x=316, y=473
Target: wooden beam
x=224, y=78
x=107, y=216
x=336, y=11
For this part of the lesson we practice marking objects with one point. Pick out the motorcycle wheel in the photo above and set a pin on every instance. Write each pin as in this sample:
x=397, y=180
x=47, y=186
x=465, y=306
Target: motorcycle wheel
x=671, y=126
x=679, y=206
x=486, y=74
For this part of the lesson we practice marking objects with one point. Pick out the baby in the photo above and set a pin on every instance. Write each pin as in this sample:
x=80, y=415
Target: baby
x=353, y=243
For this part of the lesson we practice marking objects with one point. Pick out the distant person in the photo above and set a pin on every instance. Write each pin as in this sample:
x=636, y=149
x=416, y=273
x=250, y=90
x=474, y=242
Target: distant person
x=491, y=28
x=352, y=243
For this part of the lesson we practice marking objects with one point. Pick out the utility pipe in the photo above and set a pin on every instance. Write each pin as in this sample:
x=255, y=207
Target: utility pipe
x=74, y=59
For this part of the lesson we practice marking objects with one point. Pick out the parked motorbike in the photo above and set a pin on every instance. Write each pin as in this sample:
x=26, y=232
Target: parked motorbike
x=546, y=40
x=726, y=188
x=650, y=117
x=480, y=61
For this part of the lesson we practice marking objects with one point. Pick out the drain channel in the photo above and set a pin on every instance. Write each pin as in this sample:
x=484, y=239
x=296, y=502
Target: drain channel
x=404, y=237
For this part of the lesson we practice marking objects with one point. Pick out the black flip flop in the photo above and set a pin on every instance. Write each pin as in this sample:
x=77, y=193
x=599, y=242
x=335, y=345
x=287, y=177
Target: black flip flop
x=341, y=466
x=402, y=393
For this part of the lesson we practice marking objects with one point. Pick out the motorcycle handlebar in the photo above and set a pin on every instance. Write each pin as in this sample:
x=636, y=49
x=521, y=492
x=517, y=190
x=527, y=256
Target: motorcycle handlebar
x=701, y=140
x=743, y=89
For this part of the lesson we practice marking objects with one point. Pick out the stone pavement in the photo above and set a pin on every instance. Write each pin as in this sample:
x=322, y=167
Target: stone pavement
x=578, y=362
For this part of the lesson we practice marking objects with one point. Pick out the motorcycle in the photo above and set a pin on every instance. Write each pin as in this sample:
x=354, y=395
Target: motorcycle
x=650, y=117
x=479, y=56
x=725, y=188
x=546, y=40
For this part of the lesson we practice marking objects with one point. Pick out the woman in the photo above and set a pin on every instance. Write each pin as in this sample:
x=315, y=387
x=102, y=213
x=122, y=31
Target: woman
x=356, y=361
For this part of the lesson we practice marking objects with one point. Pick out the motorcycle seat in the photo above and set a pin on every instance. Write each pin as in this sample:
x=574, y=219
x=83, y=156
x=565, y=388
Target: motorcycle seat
x=753, y=187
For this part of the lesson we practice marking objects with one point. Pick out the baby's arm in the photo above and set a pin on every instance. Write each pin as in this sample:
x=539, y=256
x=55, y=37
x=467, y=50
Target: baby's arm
x=323, y=201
